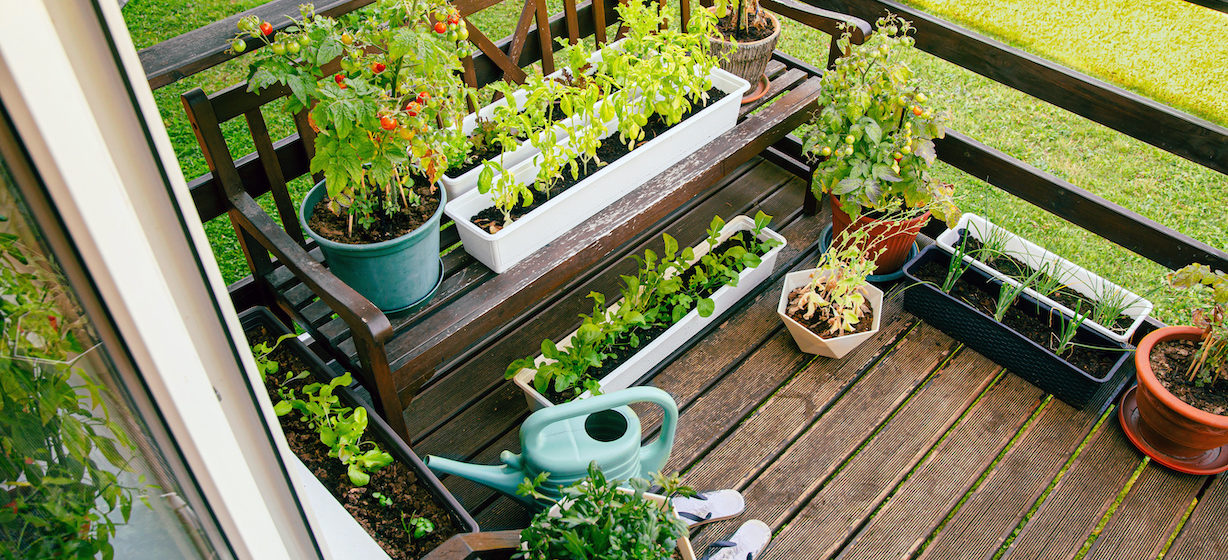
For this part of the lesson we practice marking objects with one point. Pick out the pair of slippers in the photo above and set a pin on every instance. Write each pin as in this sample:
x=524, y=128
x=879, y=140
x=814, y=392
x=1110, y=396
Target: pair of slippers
x=708, y=507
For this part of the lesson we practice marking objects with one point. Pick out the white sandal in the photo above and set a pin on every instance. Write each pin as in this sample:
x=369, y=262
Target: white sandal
x=746, y=543
x=709, y=507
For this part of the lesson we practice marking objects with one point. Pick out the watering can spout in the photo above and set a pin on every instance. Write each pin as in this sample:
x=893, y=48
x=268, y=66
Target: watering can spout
x=504, y=478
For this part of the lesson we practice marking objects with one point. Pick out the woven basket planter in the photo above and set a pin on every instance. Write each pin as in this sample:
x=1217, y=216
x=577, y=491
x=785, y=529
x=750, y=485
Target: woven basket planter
x=750, y=59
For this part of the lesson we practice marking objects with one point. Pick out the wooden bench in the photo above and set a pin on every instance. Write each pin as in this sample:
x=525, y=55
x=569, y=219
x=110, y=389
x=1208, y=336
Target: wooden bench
x=394, y=355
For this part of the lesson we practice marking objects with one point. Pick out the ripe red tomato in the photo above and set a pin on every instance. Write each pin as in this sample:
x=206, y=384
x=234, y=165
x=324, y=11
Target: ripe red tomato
x=412, y=109
x=917, y=110
x=454, y=19
x=378, y=67
x=339, y=78
x=266, y=28
x=423, y=97
x=440, y=27
x=387, y=123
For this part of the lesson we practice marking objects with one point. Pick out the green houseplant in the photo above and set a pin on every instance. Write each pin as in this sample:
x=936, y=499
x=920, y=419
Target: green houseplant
x=59, y=500
x=744, y=39
x=388, y=123
x=831, y=308
x=1181, y=417
x=597, y=518
x=874, y=143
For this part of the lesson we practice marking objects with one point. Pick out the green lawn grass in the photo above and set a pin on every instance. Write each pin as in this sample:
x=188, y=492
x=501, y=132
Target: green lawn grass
x=1159, y=61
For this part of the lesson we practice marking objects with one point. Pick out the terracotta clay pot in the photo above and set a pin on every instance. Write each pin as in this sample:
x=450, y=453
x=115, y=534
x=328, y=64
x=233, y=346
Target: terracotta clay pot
x=895, y=237
x=1170, y=425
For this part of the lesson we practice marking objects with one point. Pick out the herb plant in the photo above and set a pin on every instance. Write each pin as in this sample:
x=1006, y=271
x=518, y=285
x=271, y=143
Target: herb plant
x=393, y=110
x=597, y=519
x=1210, y=364
x=664, y=289
x=417, y=527
x=1068, y=329
x=1110, y=304
x=653, y=73
x=956, y=266
x=834, y=292
x=61, y=499
x=874, y=136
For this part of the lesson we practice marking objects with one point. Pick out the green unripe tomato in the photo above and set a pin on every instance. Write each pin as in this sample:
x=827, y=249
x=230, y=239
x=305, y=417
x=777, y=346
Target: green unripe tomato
x=304, y=40
x=826, y=151
x=907, y=149
x=921, y=97
x=238, y=46
x=292, y=47
x=849, y=139
x=278, y=48
x=355, y=54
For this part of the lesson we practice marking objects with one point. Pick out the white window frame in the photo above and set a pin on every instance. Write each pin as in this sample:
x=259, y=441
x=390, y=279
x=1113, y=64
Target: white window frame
x=107, y=163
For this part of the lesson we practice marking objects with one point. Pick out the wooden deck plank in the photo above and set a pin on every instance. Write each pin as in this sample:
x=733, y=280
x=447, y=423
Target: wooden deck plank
x=824, y=521
x=461, y=386
x=922, y=502
x=810, y=459
x=770, y=429
x=1203, y=536
x=1071, y=512
x=1142, y=524
x=989, y=515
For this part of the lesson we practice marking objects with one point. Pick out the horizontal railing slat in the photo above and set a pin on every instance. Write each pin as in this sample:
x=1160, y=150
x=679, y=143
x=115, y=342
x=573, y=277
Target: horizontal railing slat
x=1185, y=135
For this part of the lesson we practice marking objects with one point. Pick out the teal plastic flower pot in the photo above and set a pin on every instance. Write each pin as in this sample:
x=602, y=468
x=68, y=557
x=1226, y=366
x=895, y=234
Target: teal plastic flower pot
x=395, y=275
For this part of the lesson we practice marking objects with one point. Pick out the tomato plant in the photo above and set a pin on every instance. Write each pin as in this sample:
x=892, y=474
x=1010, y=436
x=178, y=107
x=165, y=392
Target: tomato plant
x=372, y=141
x=875, y=134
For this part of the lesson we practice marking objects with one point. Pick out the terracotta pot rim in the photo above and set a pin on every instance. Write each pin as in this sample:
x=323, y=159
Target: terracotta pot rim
x=1147, y=378
x=864, y=219
x=775, y=31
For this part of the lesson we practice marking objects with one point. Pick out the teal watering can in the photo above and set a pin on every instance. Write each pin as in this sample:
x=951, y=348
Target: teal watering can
x=562, y=440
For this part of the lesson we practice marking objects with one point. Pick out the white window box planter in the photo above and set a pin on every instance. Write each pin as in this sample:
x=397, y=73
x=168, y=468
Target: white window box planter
x=468, y=180
x=674, y=337
x=1077, y=278
x=500, y=251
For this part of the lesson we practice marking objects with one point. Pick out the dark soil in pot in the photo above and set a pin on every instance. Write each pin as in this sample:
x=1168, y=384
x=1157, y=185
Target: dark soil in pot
x=336, y=227
x=1023, y=320
x=818, y=323
x=1016, y=268
x=1170, y=361
x=623, y=352
x=611, y=149
x=396, y=481
x=760, y=28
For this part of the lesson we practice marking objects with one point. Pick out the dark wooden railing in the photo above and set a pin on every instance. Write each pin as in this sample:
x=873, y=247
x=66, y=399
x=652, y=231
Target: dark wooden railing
x=1190, y=137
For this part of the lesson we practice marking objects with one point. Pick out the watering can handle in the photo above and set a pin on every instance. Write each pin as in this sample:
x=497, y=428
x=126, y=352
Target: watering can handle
x=653, y=454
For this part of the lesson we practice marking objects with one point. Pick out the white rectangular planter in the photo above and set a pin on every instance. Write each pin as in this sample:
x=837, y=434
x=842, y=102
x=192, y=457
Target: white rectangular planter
x=1086, y=283
x=468, y=180
x=674, y=337
x=500, y=251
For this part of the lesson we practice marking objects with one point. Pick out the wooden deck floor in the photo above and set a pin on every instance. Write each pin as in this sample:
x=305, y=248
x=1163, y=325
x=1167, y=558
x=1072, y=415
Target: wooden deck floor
x=911, y=446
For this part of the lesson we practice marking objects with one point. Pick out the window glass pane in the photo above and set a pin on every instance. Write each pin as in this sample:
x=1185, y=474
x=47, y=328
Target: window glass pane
x=81, y=476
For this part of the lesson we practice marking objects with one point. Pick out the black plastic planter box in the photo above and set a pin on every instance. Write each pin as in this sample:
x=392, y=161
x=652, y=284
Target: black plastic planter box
x=1017, y=353
x=379, y=429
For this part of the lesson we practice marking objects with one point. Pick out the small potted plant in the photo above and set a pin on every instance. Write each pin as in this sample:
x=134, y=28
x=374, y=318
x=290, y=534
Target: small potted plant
x=1178, y=415
x=831, y=308
x=874, y=144
x=598, y=518
x=388, y=122
x=744, y=39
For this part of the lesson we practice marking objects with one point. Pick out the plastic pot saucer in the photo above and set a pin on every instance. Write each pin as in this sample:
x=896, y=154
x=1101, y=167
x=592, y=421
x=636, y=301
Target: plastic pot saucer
x=825, y=242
